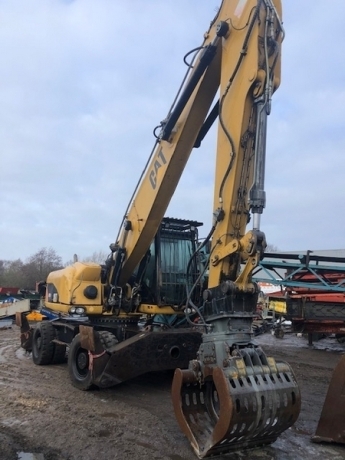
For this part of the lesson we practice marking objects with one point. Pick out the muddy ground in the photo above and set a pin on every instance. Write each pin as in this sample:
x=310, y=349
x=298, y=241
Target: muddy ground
x=42, y=414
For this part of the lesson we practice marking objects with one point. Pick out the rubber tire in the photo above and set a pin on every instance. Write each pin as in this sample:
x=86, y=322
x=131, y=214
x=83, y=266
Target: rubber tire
x=59, y=355
x=107, y=339
x=279, y=333
x=42, y=343
x=81, y=376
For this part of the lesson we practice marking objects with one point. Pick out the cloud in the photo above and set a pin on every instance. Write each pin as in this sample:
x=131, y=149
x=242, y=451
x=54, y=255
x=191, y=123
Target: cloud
x=84, y=83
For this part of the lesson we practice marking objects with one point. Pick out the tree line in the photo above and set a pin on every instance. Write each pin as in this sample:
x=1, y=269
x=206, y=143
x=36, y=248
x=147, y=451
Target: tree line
x=25, y=274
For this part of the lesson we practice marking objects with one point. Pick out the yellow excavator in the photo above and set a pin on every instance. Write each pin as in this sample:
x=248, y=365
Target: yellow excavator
x=165, y=299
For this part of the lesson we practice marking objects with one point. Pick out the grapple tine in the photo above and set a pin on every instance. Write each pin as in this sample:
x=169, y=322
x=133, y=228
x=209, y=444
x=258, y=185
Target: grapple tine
x=331, y=426
x=223, y=412
x=181, y=378
x=201, y=423
x=222, y=393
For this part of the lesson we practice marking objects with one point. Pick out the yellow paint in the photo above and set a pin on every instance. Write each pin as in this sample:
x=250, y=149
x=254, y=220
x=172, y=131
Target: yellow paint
x=279, y=306
x=238, y=74
x=35, y=315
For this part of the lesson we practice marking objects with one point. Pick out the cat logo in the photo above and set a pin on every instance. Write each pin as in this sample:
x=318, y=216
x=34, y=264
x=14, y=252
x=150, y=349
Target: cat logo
x=158, y=163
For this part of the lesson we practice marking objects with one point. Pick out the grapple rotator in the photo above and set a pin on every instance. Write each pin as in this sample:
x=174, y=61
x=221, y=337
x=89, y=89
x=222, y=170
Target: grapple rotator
x=233, y=396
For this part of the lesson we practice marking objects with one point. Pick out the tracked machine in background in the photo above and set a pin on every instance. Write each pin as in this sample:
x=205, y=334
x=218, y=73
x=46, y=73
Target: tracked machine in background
x=197, y=304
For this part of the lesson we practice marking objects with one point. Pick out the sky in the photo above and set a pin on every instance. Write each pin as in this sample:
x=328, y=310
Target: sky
x=83, y=83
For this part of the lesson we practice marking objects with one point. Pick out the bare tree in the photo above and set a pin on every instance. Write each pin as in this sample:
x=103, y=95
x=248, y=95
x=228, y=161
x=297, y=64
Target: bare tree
x=40, y=264
x=11, y=273
x=271, y=248
x=16, y=273
x=98, y=257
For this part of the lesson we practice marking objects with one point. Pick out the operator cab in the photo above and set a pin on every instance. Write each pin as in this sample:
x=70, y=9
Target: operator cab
x=171, y=266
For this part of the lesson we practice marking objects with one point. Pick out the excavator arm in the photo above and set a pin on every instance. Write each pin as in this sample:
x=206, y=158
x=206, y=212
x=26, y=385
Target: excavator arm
x=232, y=395
x=240, y=61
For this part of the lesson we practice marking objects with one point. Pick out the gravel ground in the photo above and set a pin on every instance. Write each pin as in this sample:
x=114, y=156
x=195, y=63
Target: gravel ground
x=41, y=413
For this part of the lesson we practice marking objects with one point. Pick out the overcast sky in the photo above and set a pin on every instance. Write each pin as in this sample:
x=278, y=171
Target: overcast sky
x=82, y=85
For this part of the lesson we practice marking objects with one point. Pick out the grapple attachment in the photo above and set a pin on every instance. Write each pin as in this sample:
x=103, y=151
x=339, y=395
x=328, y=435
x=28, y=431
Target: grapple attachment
x=331, y=426
x=247, y=403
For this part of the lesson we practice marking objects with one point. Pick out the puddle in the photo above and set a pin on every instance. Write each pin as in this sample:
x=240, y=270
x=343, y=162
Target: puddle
x=5, y=324
x=11, y=421
x=22, y=354
x=2, y=349
x=29, y=456
x=293, y=340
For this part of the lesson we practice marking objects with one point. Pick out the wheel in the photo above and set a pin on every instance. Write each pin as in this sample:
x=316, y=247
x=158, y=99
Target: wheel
x=42, y=343
x=279, y=333
x=108, y=340
x=59, y=355
x=78, y=360
x=78, y=366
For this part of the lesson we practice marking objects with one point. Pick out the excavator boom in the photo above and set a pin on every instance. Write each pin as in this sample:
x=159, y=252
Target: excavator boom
x=239, y=60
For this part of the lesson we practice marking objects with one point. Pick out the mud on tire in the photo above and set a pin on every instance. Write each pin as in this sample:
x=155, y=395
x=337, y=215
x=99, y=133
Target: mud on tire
x=59, y=355
x=43, y=346
x=78, y=360
x=108, y=340
x=78, y=366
